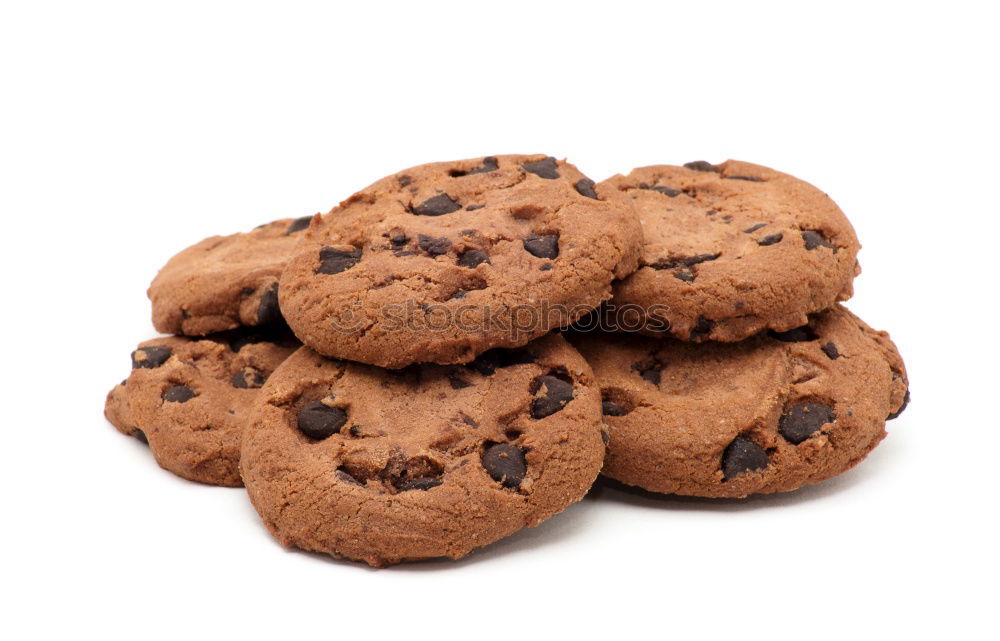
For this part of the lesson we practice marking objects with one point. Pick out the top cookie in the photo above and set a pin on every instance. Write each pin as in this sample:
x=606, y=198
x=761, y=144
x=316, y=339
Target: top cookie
x=225, y=282
x=443, y=261
x=732, y=249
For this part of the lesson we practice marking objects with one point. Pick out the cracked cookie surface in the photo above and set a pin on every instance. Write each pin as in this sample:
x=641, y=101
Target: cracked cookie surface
x=769, y=414
x=429, y=461
x=190, y=399
x=443, y=261
x=734, y=248
x=225, y=282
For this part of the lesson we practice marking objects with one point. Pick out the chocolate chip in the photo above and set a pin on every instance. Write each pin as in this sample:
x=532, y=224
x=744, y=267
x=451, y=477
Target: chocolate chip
x=770, y=239
x=830, y=349
x=742, y=455
x=702, y=328
x=334, y=261
x=421, y=483
x=150, y=357
x=906, y=401
x=605, y=437
x=814, y=239
x=505, y=464
x=473, y=207
x=685, y=274
x=472, y=257
x=674, y=262
x=546, y=267
x=491, y=360
x=752, y=229
x=436, y=206
x=178, y=394
x=346, y=477
x=141, y=437
x=268, y=313
x=542, y=246
x=803, y=420
x=585, y=187
x=319, y=421
x=459, y=294
x=649, y=370
x=457, y=382
x=662, y=189
x=298, y=225
x=404, y=180
x=398, y=240
x=247, y=378
x=701, y=165
x=545, y=168
x=798, y=335
x=489, y=164
x=557, y=394
x=433, y=246
x=610, y=408
x=753, y=179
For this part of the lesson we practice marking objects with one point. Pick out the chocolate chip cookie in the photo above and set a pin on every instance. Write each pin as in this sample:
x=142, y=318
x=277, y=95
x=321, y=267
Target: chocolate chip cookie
x=441, y=262
x=384, y=466
x=225, y=282
x=732, y=249
x=769, y=414
x=189, y=399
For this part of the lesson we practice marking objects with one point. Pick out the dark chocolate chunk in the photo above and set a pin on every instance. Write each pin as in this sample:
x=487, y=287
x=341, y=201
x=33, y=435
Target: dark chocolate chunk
x=674, y=262
x=505, y=464
x=545, y=168
x=814, y=239
x=742, y=455
x=472, y=257
x=753, y=228
x=753, y=179
x=702, y=328
x=701, y=165
x=268, y=313
x=457, y=382
x=298, y=225
x=542, y=246
x=801, y=421
x=178, y=394
x=436, y=206
x=831, y=351
x=433, y=246
x=585, y=187
x=319, y=421
x=248, y=378
x=662, y=189
x=141, y=437
x=489, y=164
x=150, y=357
x=557, y=393
x=334, y=261
x=770, y=239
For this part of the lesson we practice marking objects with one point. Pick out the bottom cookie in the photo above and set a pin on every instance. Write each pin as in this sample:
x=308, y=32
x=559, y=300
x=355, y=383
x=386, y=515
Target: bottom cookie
x=430, y=461
x=769, y=414
x=189, y=399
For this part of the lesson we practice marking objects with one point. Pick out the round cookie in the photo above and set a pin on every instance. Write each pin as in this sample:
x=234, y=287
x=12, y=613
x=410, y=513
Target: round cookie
x=430, y=461
x=443, y=261
x=225, y=282
x=732, y=249
x=769, y=414
x=190, y=400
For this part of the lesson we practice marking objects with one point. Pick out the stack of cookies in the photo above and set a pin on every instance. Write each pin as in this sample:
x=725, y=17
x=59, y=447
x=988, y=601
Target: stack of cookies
x=458, y=350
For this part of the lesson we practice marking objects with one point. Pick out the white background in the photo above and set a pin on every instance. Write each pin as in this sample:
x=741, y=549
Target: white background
x=130, y=131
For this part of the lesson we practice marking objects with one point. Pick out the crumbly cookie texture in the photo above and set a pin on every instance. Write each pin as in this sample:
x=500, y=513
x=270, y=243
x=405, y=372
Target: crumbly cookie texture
x=430, y=461
x=769, y=414
x=441, y=262
x=225, y=282
x=734, y=248
x=189, y=399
